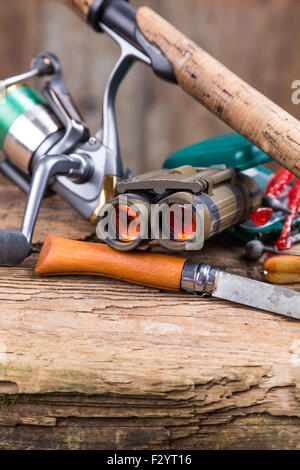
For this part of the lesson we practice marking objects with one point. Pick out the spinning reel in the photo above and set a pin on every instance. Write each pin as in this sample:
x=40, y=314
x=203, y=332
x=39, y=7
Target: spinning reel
x=47, y=144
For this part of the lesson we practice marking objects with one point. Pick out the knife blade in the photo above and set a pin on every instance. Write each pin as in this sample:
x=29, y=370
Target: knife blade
x=258, y=295
x=203, y=278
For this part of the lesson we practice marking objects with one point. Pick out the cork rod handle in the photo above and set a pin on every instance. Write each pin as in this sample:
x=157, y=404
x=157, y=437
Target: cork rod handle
x=239, y=105
x=247, y=111
x=60, y=256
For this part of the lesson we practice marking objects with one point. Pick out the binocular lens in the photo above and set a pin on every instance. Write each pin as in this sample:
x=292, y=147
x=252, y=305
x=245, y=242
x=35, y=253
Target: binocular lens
x=182, y=223
x=124, y=222
x=127, y=223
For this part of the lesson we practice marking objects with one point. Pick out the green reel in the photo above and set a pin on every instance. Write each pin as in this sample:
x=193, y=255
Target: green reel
x=224, y=151
x=26, y=122
x=233, y=151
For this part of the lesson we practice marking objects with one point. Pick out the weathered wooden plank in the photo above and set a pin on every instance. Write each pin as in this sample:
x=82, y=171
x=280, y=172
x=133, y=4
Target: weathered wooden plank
x=99, y=364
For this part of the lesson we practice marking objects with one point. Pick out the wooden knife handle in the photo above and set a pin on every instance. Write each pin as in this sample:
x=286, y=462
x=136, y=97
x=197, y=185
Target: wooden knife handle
x=250, y=113
x=60, y=256
x=283, y=269
x=80, y=7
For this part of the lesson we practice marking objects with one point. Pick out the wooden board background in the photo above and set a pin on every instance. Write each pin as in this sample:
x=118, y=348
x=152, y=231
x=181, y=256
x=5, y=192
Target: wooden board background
x=92, y=363
x=89, y=363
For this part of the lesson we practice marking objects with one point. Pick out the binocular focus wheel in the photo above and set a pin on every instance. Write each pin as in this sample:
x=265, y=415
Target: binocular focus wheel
x=14, y=247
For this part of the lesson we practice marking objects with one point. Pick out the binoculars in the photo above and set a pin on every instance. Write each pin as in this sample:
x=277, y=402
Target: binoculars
x=180, y=208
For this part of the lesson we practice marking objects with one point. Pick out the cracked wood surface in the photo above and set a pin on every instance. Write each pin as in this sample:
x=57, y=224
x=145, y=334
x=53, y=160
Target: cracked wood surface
x=91, y=363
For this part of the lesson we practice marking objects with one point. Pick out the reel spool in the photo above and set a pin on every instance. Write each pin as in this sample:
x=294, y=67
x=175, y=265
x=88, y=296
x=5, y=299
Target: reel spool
x=27, y=125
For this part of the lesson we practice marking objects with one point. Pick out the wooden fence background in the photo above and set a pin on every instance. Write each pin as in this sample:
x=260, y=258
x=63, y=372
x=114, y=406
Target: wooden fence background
x=258, y=39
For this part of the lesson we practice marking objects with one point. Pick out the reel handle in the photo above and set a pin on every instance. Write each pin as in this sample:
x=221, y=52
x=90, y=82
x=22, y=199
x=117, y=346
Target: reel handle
x=14, y=247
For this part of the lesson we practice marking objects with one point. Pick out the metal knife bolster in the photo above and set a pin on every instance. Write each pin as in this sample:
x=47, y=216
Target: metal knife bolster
x=200, y=278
